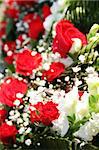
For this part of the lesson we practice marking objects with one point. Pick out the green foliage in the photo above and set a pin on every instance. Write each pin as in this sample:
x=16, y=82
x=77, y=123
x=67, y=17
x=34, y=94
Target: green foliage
x=9, y=26
x=1, y=146
x=11, y=30
x=83, y=13
x=11, y=68
x=94, y=103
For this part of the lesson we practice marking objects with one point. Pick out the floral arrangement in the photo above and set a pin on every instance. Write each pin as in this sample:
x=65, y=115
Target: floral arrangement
x=49, y=90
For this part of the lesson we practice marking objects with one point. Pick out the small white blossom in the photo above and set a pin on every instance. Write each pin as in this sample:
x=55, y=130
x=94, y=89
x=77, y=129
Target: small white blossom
x=28, y=130
x=21, y=130
x=16, y=102
x=76, y=46
x=82, y=58
x=19, y=95
x=28, y=142
x=9, y=123
x=76, y=69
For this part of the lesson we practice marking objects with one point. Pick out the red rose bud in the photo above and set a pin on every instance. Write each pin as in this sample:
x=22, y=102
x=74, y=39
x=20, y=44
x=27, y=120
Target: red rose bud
x=80, y=93
x=45, y=113
x=12, y=13
x=29, y=17
x=3, y=28
x=7, y=133
x=26, y=62
x=35, y=27
x=65, y=31
x=3, y=114
x=46, y=11
x=56, y=69
x=9, y=90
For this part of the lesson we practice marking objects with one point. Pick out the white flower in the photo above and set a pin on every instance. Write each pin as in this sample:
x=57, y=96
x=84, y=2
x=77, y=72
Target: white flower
x=82, y=58
x=21, y=130
x=19, y=95
x=16, y=102
x=94, y=28
x=28, y=142
x=71, y=100
x=1, y=75
x=93, y=85
x=28, y=130
x=61, y=125
x=35, y=96
x=89, y=129
x=76, y=46
x=19, y=120
x=48, y=22
x=82, y=106
x=76, y=69
x=9, y=123
x=66, y=61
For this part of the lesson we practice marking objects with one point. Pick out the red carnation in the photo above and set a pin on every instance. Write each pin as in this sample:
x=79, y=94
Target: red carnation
x=56, y=69
x=45, y=113
x=9, y=90
x=36, y=115
x=65, y=31
x=7, y=133
x=3, y=114
x=46, y=11
x=36, y=27
x=26, y=63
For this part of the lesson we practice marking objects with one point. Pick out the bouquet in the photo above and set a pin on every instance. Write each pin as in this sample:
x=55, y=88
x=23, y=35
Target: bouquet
x=49, y=90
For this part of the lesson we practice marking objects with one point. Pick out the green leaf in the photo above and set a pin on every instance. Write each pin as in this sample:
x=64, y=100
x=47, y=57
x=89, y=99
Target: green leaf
x=1, y=146
x=9, y=26
x=94, y=103
x=11, y=68
x=72, y=118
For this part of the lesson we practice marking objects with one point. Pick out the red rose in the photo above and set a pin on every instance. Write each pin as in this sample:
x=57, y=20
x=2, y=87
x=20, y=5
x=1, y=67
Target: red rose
x=9, y=46
x=7, y=133
x=65, y=31
x=9, y=90
x=36, y=27
x=56, y=69
x=45, y=113
x=46, y=11
x=29, y=17
x=12, y=12
x=26, y=63
x=3, y=114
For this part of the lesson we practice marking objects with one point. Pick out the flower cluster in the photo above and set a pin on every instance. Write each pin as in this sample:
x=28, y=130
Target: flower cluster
x=50, y=87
